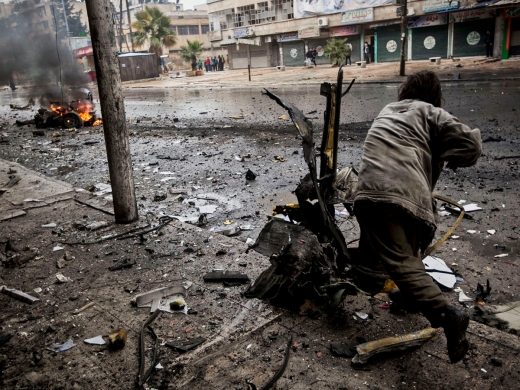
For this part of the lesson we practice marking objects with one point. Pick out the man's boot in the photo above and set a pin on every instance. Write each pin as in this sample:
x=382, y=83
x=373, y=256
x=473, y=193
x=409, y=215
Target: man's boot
x=455, y=322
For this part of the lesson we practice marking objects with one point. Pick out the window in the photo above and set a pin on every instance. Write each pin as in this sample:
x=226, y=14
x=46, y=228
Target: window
x=193, y=30
x=45, y=24
x=182, y=30
x=204, y=28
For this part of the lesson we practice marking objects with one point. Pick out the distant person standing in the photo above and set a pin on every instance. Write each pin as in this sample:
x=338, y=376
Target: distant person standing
x=221, y=62
x=314, y=55
x=308, y=57
x=214, y=64
x=208, y=64
x=488, y=41
x=348, y=54
x=199, y=64
x=366, y=50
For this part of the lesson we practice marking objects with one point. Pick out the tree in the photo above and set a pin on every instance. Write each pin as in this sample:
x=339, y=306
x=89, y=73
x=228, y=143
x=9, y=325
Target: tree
x=154, y=27
x=191, y=52
x=336, y=50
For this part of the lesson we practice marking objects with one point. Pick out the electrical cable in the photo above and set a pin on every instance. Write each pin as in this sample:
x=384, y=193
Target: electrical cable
x=57, y=48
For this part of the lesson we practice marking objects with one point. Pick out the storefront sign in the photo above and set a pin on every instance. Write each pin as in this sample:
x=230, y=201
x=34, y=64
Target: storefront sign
x=473, y=38
x=309, y=32
x=391, y=46
x=84, y=51
x=439, y=5
x=215, y=35
x=469, y=14
x=343, y=31
x=289, y=37
x=240, y=32
x=513, y=12
x=303, y=9
x=429, y=42
x=427, y=20
x=357, y=16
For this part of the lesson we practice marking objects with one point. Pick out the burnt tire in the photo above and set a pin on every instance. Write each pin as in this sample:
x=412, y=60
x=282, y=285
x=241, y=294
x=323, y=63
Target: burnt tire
x=72, y=120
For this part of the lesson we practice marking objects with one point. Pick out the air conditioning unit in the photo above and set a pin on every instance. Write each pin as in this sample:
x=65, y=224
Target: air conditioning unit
x=268, y=39
x=250, y=32
x=322, y=22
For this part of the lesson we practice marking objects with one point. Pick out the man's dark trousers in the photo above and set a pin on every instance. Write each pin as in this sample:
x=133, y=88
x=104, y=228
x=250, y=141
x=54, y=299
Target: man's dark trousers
x=394, y=236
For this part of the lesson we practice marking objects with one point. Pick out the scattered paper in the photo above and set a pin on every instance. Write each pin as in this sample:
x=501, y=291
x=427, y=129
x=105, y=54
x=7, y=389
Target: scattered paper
x=471, y=231
x=57, y=248
x=436, y=264
x=63, y=279
x=471, y=207
x=462, y=297
x=98, y=340
x=61, y=347
x=502, y=255
x=492, y=231
x=49, y=225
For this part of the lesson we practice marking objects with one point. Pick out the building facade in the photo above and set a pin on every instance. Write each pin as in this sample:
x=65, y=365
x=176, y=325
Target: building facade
x=279, y=32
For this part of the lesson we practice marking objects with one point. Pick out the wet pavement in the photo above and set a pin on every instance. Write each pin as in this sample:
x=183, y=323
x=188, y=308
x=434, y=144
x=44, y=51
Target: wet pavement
x=201, y=160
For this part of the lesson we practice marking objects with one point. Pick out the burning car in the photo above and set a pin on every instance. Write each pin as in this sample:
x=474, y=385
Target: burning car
x=76, y=114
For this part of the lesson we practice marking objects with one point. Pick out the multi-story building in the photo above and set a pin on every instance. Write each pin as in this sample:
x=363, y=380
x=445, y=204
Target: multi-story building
x=279, y=32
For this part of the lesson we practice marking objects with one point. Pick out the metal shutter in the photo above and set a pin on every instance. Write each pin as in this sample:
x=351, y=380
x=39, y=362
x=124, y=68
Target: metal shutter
x=431, y=41
x=293, y=53
x=514, y=43
x=388, y=43
x=468, y=37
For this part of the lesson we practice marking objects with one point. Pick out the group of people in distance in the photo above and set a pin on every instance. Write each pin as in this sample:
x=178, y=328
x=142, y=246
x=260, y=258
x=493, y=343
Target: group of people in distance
x=212, y=64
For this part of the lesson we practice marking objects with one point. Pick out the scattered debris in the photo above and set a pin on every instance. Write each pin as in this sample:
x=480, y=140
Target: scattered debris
x=492, y=231
x=225, y=276
x=343, y=350
x=143, y=376
x=17, y=294
x=61, y=347
x=57, y=248
x=62, y=279
x=482, y=293
x=117, y=340
x=462, y=297
x=122, y=264
x=160, y=299
x=501, y=255
x=439, y=271
x=361, y=315
x=5, y=339
x=83, y=308
x=391, y=344
x=96, y=225
x=185, y=346
x=98, y=340
x=49, y=225
x=250, y=175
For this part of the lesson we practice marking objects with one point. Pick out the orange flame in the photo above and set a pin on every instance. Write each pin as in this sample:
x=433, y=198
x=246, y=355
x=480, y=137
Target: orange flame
x=83, y=108
x=57, y=109
x=97, y=122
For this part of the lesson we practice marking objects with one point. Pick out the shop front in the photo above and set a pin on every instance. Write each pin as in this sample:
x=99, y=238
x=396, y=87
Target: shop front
x=293, y=49
x=469, y=31
x=513, y=15
x=429, y=36
x=352, y=33
x=388, y=42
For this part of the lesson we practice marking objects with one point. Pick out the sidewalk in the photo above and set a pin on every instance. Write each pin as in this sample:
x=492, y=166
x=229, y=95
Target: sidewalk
x=473, y=68
x=245, y=339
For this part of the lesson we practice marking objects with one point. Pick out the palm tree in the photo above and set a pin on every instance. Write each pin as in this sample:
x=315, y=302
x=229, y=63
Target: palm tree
x=191, y=52
x=154, y=27
x=336, y=50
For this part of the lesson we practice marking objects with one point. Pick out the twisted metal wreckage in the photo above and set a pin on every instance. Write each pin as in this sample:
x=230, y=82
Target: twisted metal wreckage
x=309, y=255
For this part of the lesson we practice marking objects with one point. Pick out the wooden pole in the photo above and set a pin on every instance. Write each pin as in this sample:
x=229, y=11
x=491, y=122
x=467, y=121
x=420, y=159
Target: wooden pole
x=249, y=71
x=130, y=25
x=113, y=109
x=404, y=29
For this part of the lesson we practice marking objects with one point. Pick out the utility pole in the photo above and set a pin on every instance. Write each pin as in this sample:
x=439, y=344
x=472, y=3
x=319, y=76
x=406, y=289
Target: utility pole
x=404, y=29
x=130, y=25
x=101, y=24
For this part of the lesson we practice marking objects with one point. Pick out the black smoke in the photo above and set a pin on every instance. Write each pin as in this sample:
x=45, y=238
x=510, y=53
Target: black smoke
x=35, y=54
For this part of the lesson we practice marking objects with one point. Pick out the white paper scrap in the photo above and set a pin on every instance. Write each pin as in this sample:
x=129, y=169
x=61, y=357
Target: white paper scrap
x=434, y=263
x=98, y=340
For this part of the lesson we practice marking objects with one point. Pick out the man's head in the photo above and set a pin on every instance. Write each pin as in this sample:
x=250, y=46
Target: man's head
x=488, y=33
x=424, y=85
